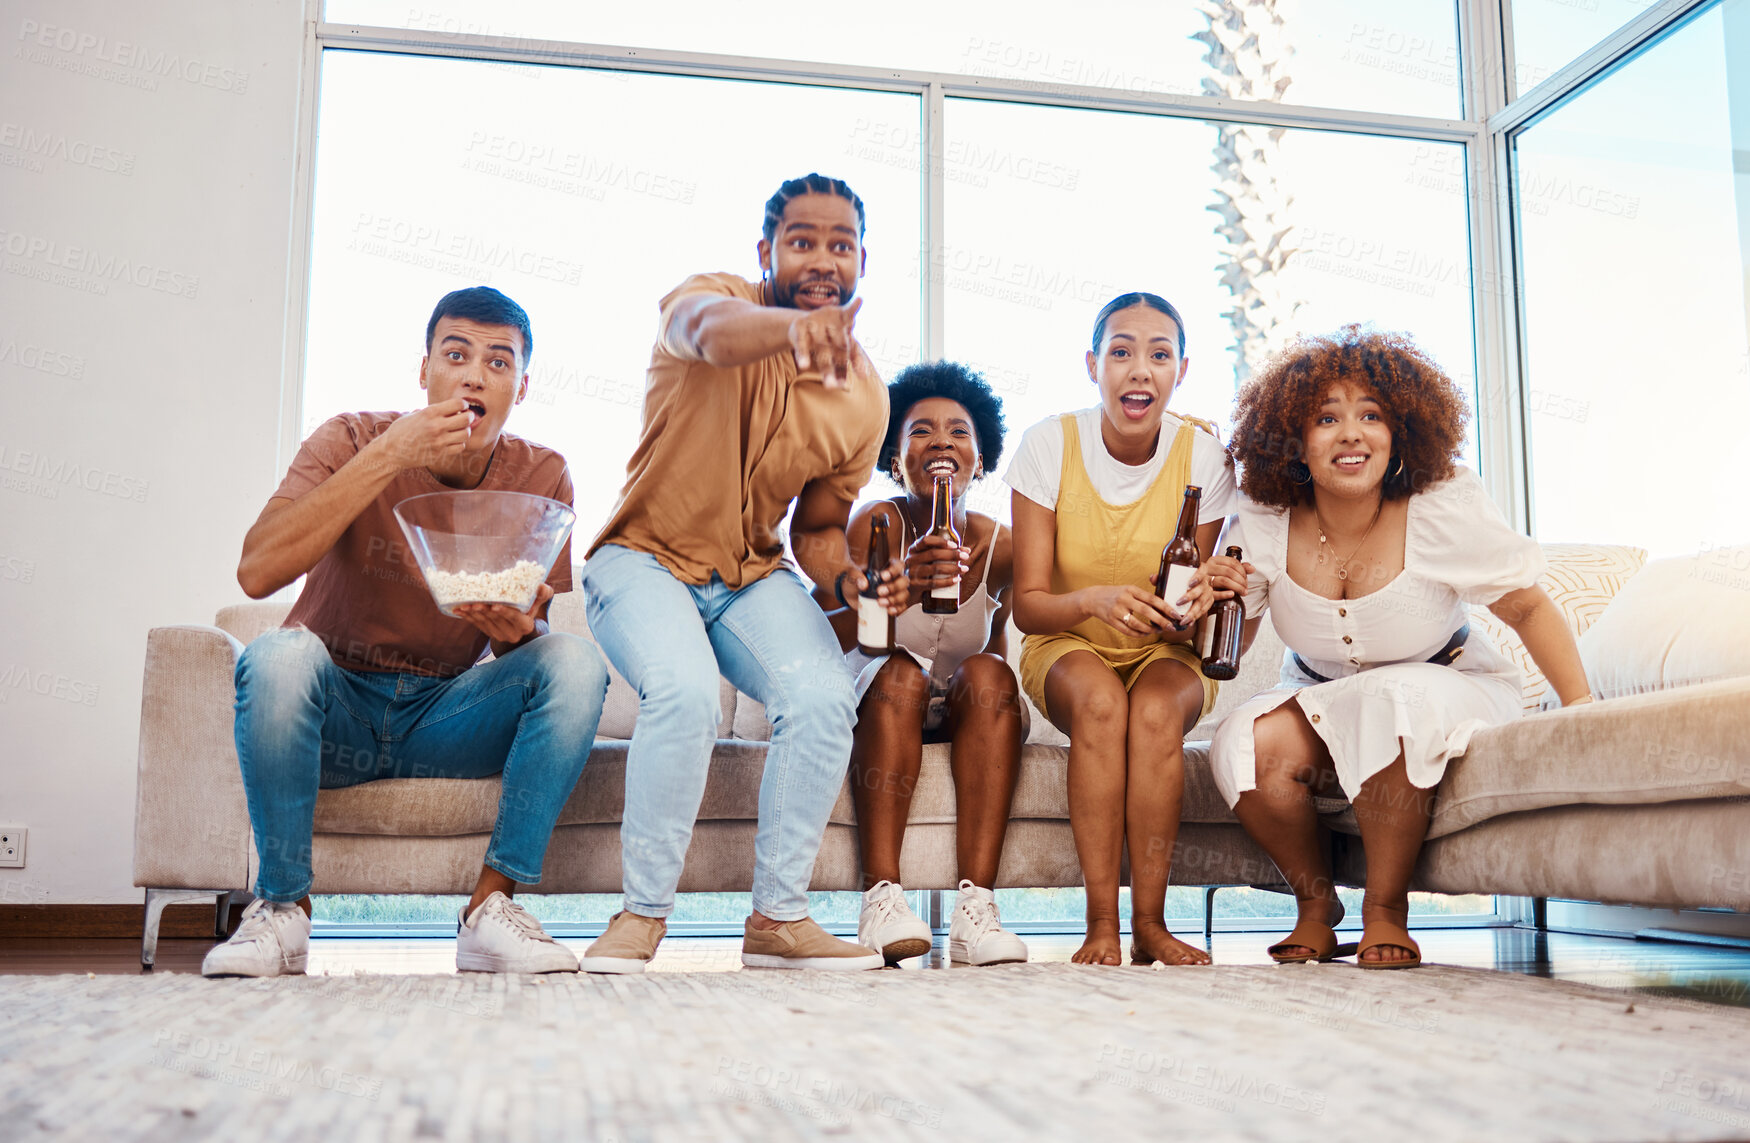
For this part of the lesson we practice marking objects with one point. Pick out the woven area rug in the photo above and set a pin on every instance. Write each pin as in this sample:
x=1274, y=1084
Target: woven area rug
x=1026, y=1051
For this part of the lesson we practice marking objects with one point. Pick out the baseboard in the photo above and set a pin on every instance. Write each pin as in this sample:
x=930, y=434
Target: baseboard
x=101, y=922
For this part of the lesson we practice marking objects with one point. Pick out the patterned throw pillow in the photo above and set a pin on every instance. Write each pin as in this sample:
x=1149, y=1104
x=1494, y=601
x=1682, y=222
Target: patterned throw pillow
x=1582, y=579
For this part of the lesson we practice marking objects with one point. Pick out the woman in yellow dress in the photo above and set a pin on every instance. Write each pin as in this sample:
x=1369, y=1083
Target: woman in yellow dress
x=1096, y=495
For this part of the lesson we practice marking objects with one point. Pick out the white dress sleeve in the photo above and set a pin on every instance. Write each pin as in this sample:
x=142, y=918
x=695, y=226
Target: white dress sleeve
x=1036, y=471
x=1458, y=537
x=1212, y=470
x=1261, y=534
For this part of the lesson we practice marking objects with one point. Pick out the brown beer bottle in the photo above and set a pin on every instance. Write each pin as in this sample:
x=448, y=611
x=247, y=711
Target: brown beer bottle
x=1180, y=559
x=874, y=624
x=944, y=600
x=1229, y=619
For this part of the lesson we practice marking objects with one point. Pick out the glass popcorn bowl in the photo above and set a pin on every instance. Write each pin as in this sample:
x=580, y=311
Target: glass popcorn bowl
x=484, y=547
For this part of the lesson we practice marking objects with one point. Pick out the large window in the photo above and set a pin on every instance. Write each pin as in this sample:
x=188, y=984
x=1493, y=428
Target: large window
x=584, y=195
x=1053, y=211
x=1376, y=55
x=1549, y=34
x=1635, y=207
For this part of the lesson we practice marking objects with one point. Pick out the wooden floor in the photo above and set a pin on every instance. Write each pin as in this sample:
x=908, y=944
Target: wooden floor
x=1697, y=972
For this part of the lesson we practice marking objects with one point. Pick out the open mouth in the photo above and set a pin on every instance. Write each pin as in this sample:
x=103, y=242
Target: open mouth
x=1136, y=404
x=1351, y=462
x=942, y=466
x=476, y=411
x=820, y=293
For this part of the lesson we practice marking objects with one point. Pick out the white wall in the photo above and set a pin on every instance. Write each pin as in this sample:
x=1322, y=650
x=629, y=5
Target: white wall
x=147, y=165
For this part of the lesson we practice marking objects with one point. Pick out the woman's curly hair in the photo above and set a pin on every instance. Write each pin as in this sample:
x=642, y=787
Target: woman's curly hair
x=956, y=382
x=1424, y=409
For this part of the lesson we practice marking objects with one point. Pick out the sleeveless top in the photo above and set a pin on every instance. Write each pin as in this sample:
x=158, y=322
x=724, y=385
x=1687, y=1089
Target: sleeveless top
x=942, y=642
x=1103, y=544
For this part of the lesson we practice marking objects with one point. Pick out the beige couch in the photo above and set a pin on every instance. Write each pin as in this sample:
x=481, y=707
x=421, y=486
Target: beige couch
x=1643, y=799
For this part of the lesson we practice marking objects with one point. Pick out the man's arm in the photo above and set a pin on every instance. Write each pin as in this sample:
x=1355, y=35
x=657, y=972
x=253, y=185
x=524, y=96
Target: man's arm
x=817, y=537
x=291, y=536
x=727, y=332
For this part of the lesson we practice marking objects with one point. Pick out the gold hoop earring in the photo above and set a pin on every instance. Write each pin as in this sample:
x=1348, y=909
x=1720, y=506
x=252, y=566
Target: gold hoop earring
x=1397, y=472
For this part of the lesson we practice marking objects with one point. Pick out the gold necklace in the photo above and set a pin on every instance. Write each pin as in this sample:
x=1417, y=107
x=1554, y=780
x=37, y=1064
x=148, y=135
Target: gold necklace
x=1343, y=561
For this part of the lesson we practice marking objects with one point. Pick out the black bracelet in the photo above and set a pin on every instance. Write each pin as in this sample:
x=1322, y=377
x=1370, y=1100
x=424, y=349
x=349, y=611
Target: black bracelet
x=838, y=588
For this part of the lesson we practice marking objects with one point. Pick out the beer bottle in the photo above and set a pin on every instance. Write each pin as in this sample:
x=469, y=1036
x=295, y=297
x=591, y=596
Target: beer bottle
x=1229, y=620
x=874, y=623
x=1180, y=559
x=944, y=600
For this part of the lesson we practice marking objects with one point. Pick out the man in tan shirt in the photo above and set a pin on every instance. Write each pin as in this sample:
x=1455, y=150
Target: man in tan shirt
x=757, y=396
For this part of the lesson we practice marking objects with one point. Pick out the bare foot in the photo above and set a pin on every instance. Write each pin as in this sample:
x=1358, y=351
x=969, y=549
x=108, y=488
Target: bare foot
x=1150, y=941
x=1395, y=914
x=1309, y=910
x=1102, y=945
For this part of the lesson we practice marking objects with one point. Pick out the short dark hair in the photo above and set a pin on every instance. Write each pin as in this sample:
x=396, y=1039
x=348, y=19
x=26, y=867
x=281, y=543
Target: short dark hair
x=486, y=305
x=811, y=183
x=956, y=382
x=1137, y=298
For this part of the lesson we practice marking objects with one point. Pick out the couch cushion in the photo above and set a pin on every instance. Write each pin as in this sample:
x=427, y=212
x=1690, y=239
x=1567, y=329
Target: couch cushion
x=446, y=807
x=1681, y=621
x=1582, y=580
x=1671, y=746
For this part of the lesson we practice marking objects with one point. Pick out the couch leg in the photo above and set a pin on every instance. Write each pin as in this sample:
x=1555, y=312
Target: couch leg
x=1209, y=913
x=1540, y=914
x=222, y=916
x=156, y=899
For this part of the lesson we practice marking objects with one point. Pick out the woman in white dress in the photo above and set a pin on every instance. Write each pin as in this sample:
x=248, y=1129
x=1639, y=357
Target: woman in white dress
x=1365, y=540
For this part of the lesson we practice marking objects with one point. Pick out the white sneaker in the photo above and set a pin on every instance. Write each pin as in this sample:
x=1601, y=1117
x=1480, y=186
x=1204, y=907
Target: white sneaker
x=976, y=936
x=501, y=936
x=887, y=923
x=272, y=939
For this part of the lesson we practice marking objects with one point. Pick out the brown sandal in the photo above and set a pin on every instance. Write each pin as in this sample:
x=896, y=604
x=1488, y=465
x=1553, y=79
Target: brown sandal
x=1322, y=939
x=1384, y=933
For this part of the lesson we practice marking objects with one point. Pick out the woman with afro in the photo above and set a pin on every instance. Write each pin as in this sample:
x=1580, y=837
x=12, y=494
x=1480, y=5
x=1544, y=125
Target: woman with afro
x=947, y=680
x=1365, y=539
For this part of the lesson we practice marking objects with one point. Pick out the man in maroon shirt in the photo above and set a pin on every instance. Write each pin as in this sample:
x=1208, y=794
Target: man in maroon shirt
x=369, y=680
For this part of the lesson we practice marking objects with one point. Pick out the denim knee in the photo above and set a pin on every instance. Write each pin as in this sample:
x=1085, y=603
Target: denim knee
x=289, y=656
x=569, y=661
x=683, y=699
x=824, y=696
x=277, y=675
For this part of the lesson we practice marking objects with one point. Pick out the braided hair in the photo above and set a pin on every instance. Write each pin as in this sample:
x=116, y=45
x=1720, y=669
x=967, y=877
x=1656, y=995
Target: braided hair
x=811, y=183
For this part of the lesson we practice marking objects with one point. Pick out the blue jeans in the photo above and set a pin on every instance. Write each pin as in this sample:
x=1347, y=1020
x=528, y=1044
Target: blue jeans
x=305, y=724
x=670, y=639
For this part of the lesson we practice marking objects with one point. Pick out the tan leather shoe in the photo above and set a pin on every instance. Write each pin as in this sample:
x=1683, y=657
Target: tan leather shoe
x=803, y=944
x=627, y=946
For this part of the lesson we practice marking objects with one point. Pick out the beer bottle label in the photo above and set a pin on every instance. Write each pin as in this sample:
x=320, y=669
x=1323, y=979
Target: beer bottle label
x=871, y=622
x=952, y=591
x=1178, y=583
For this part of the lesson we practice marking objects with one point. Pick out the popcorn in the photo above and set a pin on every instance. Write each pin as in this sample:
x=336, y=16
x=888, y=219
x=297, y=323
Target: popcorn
x=514, y=586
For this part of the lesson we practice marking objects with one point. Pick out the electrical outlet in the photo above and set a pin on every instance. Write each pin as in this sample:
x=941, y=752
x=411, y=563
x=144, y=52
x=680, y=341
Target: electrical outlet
x=12, y=846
